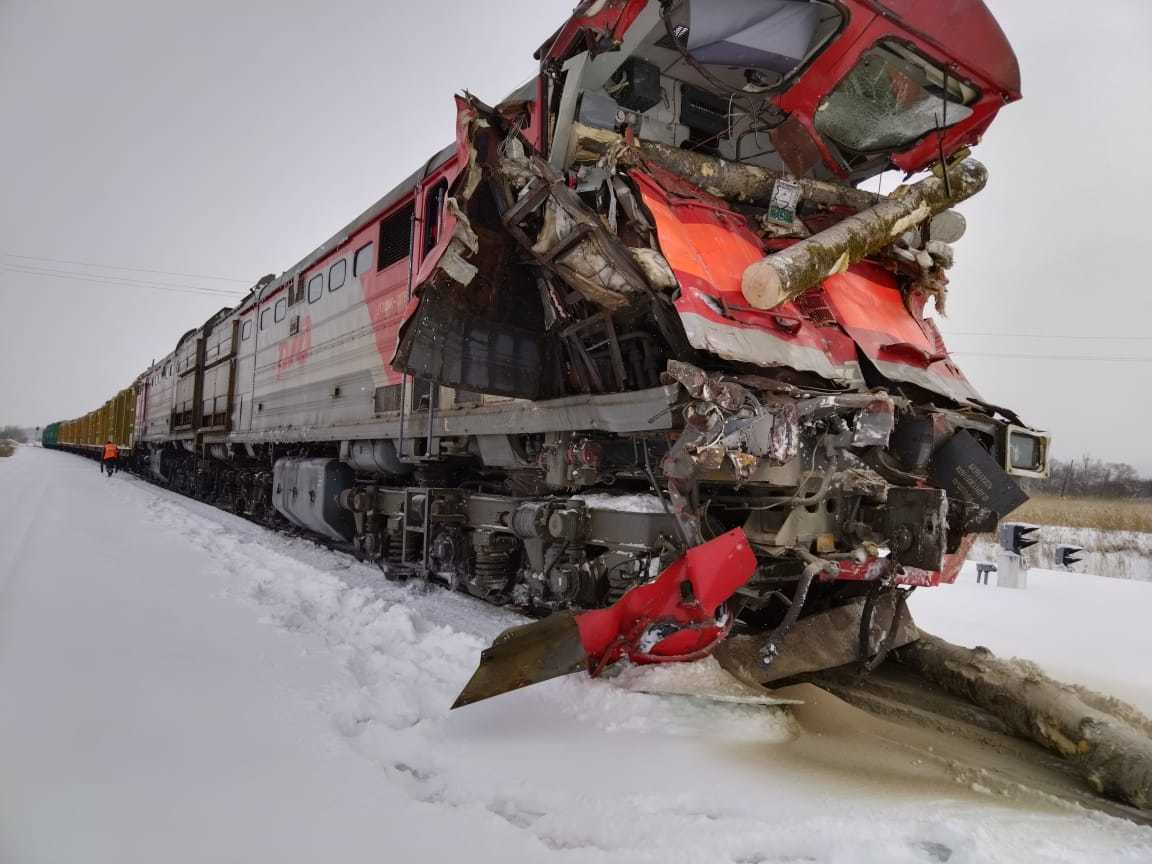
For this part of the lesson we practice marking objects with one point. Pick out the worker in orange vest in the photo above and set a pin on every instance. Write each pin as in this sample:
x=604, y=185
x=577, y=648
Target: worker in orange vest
x=111, y=454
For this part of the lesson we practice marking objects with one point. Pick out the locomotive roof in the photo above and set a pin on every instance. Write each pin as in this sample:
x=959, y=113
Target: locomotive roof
x=381, y=206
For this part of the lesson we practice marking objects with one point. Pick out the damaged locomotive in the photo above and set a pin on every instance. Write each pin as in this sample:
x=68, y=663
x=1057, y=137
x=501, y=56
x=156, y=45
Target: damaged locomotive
x=641, y=318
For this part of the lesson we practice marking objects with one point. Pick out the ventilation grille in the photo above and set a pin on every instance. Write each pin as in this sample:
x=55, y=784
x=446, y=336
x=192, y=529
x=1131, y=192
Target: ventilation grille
x=396, y=237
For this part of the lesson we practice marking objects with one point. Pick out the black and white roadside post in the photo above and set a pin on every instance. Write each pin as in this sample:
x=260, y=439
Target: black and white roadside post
x=1015, y=537
x=1068, y=556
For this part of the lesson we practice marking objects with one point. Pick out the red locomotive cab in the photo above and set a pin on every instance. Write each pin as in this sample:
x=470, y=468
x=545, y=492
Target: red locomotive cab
x=854, y=86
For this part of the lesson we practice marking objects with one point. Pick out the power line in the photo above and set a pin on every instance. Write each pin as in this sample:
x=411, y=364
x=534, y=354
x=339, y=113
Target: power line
x=119, y=280
x=97, y=279
x=1050, y=336
x=1100, y=358
x=136, y=269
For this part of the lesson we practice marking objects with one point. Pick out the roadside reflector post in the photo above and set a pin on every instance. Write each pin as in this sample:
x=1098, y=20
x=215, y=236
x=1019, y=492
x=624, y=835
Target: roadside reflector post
x=1069, y=556
x=1014, y=538
x=1010, y=571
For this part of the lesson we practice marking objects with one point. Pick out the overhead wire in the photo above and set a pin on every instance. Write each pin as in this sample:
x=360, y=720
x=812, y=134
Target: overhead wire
x=1050, y=336
x=1082, y=357
x=134, y=269
x=101, y=279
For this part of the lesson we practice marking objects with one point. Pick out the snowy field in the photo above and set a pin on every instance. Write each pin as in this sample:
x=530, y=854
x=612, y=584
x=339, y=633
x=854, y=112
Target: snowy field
x=178, y=685
x=1119, y=554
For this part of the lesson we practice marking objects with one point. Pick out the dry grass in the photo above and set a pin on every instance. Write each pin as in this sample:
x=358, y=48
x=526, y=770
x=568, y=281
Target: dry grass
x=7, y=447
x=1107, y=514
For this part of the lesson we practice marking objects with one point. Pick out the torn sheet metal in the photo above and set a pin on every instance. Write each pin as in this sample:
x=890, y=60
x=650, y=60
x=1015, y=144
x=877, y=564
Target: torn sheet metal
x=678, y=616
x=708, y=247
x=573, y=242
x=868, y=304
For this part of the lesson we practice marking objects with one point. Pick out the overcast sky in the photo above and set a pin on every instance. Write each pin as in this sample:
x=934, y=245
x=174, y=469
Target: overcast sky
x=225, y=139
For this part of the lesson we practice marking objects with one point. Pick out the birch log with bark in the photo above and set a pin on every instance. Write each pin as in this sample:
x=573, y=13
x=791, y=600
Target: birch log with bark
x=749, y=184
x=787, y=274
x=1112, y=752
x=732, y=181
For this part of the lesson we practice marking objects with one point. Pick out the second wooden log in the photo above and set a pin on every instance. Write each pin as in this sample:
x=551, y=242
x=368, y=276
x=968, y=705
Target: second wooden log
x=787, y=274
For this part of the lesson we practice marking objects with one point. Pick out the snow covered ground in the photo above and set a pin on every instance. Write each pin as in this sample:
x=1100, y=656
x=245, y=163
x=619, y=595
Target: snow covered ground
x=179, y=685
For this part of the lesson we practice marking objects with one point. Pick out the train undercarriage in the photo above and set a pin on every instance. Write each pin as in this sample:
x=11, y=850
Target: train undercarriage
x=846, y=500
x=807, y=613
x=557, y=520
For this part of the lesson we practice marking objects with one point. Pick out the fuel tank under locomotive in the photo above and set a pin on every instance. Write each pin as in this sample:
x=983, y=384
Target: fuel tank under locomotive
x=307, y=492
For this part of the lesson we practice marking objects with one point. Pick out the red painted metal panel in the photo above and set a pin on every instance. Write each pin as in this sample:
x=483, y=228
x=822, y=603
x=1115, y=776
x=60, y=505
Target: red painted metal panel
x=871, y=308
x=595, y=25
x=973, y=48
x=684, y=599
x=965, y=29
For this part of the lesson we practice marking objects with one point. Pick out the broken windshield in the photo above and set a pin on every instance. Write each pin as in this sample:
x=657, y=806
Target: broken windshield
x=891, y=98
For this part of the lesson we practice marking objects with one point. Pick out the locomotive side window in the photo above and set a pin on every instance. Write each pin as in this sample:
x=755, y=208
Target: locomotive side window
x=362, y=263
x=281, y=307
x=433, y=209
x=338, y=273
x=264, y=319
x=315, y=287
x=396, y=236
x=295, y=291
x=246, y=330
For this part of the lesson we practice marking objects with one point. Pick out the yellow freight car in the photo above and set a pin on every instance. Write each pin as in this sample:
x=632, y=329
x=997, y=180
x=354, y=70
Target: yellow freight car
x=115, y=421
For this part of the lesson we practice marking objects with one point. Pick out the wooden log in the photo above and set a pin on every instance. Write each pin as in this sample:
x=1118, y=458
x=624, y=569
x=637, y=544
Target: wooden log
x=748, y=184
x=787, y=274
x=1111, y=750
x=732, y=181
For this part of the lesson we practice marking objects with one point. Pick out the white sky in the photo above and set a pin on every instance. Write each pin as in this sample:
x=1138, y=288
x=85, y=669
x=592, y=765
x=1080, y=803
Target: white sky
x=225, y=139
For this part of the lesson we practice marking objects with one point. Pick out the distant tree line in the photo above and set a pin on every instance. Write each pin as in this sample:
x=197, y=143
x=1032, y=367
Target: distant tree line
x=16, y=433
x=1093, y=478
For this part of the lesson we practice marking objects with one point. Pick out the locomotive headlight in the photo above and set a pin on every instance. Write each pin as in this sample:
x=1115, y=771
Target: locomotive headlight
x=1025, y=452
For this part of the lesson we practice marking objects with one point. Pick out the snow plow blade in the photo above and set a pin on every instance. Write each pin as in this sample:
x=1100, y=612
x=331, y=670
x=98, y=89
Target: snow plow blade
x=678, y=616
x=526, y=655
x=821, y=641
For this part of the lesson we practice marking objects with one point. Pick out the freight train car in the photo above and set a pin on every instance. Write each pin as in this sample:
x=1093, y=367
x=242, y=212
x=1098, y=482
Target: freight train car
x=650, y=272
x=113, y=421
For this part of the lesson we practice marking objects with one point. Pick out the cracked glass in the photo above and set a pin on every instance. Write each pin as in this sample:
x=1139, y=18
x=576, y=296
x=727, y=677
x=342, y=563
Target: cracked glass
x=891, y=98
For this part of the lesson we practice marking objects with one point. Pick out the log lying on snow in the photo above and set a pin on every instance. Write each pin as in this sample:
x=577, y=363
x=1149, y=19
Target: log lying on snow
x=1113, y=753
x=787, y=274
